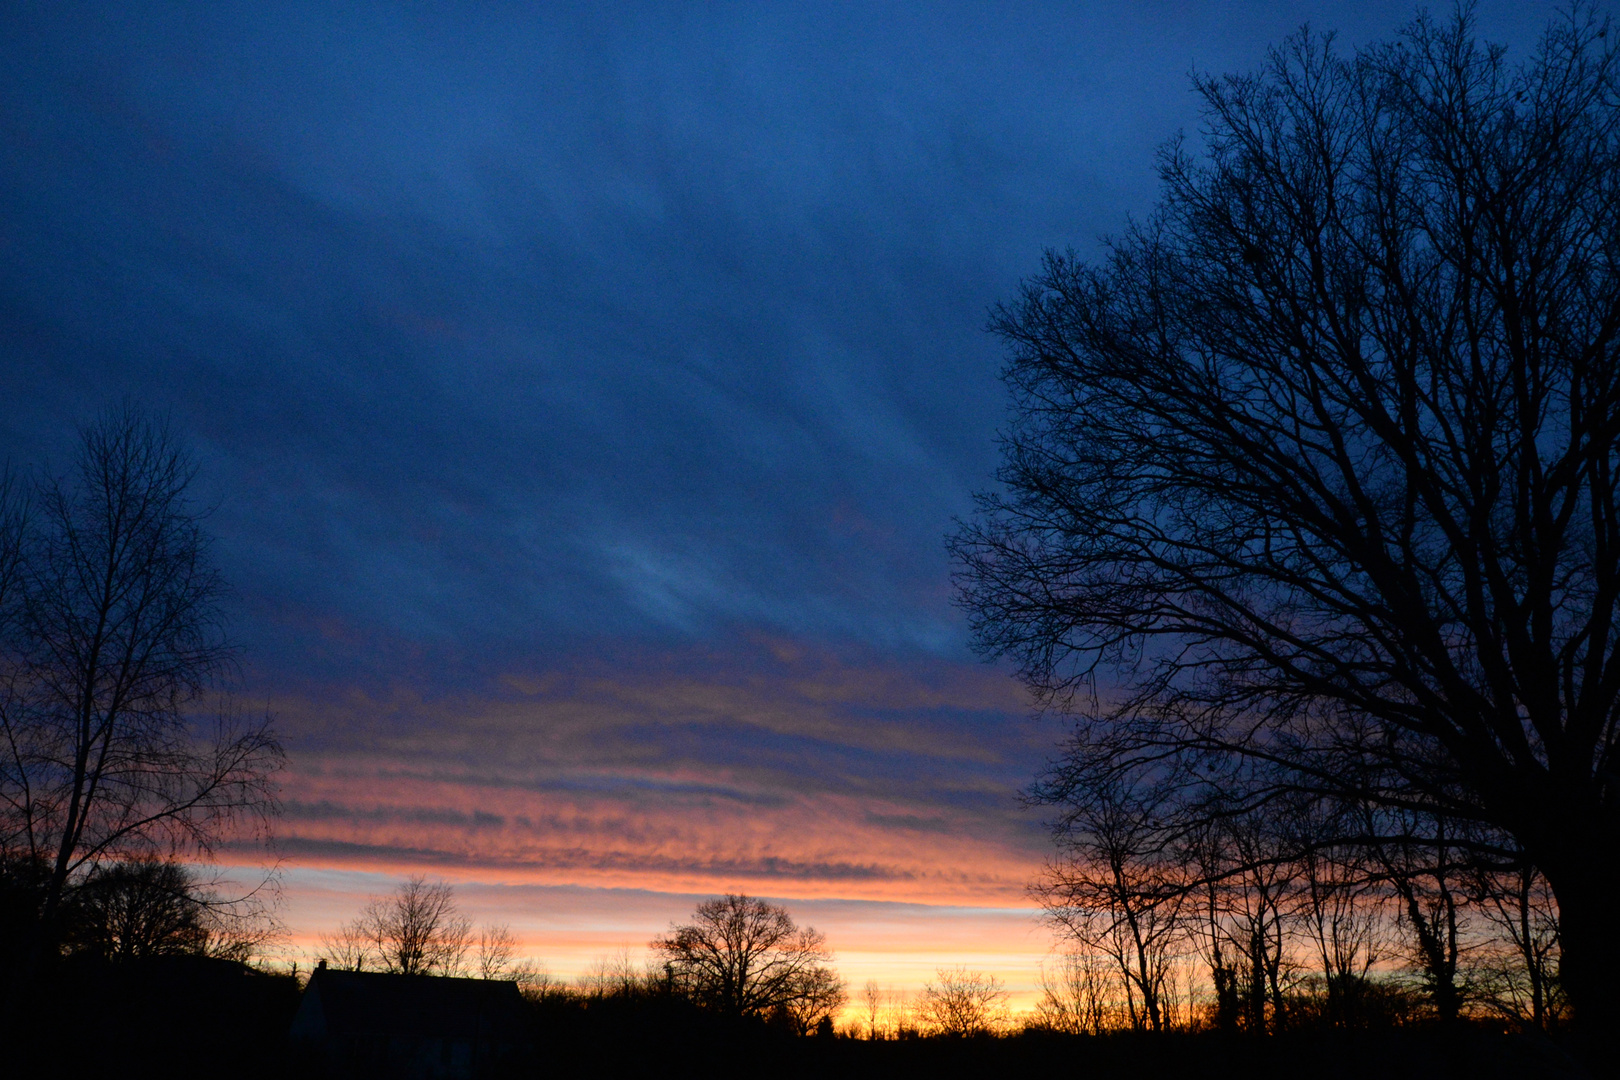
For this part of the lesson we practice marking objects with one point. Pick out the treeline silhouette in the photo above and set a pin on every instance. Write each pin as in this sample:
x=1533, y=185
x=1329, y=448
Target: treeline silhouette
x=625, y=1018
x=148, y=973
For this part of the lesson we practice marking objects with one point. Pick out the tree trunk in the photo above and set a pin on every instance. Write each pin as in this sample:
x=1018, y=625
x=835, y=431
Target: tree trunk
x=1587, y=886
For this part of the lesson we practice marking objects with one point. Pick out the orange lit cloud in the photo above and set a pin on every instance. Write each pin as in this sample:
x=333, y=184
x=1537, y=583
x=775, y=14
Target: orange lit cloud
x=816, y=780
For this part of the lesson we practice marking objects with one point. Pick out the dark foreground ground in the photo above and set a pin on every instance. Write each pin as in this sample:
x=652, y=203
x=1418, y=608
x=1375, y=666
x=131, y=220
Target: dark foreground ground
x=196, y=1018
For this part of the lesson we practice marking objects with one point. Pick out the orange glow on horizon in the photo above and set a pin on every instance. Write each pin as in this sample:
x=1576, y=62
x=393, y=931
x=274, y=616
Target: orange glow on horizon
x=571, y=930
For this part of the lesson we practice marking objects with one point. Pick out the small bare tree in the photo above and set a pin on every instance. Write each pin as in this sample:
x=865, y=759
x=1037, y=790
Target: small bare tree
x=147, y=906
x=872, y=1007
x=141, y=908
x=1253, y=895
x=960, y=1002
x=1075, y=998
x=1116, y=889
x=497, y=951
x=1518, y=969
x=1422, y=865
x=415, y=931
x=496, y=957
x=349, y=947
x=418, y=930
x=1346, y=928
x=536, y=983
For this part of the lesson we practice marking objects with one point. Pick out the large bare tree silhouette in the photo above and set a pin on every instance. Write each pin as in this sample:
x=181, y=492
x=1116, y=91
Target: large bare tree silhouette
x=1319, y=463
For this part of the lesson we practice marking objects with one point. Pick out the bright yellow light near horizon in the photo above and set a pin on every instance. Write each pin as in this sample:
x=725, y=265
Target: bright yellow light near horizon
x=571, y=930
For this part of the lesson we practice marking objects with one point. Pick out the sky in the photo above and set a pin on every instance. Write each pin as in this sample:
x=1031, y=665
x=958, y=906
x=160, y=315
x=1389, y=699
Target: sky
x=582, y=395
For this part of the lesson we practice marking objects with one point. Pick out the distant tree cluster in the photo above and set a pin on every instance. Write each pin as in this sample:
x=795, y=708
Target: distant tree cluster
x=1310, y=515
x=1250, y=922
x=119, y=751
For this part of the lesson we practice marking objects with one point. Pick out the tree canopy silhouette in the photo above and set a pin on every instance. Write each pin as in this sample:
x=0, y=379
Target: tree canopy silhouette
x=1319, y=461
x=744, y=957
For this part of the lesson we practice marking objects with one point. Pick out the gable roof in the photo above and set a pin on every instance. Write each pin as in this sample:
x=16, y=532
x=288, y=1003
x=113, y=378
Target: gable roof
x=339, y=1003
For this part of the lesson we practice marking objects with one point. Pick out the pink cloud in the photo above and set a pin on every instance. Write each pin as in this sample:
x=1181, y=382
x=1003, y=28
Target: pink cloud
x=784, y=769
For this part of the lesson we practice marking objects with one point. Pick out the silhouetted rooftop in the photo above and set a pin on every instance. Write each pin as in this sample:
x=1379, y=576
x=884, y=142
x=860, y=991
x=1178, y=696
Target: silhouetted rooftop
x=418, y=1006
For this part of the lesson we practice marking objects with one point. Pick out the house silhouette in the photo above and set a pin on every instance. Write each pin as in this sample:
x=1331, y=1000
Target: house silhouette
x=423, y=1027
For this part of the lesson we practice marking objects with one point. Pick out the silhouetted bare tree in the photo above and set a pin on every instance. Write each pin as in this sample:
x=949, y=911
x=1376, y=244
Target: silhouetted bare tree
x=745, y=957
x=1117, y=889
x=1075, y=997
x=349, y=947
x=497, y=951
x=415, y=931
x=962, y=1002
x=1340, y=909
x=1419, y=863
x=1253, y=890
x=872, y=1007
x=1518, y=972
x=110, y=641
x=618, y=975
x=1321, y=459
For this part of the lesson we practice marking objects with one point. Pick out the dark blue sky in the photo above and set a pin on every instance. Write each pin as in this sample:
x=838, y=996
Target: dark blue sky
x=523, y=323
x=586, y=390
